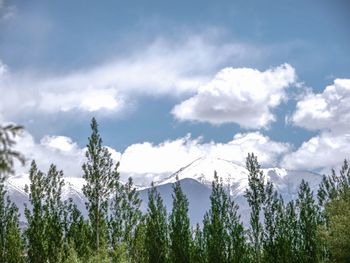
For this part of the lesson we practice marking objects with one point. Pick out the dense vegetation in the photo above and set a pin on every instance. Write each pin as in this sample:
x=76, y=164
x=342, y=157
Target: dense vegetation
x=312, y=228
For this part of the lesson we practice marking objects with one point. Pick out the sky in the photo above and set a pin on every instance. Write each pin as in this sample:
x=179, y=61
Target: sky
x=172, y=81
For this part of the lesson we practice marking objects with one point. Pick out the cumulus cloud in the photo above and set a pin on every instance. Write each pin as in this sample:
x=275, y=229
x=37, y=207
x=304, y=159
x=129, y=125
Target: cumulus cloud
x=329, y=110
x=239, y=95
x=161, y=68
x=319, y=153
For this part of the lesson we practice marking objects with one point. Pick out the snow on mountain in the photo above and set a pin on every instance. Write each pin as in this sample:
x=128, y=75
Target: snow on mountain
x=196, y=179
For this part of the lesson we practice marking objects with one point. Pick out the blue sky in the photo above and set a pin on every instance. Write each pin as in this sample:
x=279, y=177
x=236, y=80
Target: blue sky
x=195, y=71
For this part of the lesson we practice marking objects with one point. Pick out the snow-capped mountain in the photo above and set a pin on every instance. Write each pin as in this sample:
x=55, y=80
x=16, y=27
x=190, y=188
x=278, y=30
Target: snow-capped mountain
x=196, y=179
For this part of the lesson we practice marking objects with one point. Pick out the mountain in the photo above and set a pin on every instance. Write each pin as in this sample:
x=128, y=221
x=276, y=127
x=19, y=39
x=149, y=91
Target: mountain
x=195, y=178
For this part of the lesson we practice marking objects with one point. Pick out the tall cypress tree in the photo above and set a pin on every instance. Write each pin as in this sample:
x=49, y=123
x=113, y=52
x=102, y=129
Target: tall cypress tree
x=156, y=241
x=99, y=174
x=179, y=226
x=255, y=196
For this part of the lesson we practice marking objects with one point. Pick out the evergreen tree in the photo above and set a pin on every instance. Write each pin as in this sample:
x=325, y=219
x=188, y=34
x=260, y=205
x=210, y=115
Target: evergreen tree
x=255, y=196
x=307, y=224
x=156, y=242
x=179, y=227
x=99, y=175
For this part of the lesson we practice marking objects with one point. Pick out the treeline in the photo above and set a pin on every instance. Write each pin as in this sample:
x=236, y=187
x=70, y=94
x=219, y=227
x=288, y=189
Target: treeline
x=312, y=228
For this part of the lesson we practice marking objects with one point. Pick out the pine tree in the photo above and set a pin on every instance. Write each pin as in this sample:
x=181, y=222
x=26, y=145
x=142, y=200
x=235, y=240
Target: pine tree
x=255, y=196
x=179, y=227
x=307, y=224
x=98, y=173
x=156, y=242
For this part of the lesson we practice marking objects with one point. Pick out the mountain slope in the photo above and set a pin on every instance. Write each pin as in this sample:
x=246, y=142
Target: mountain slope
x=196, y=179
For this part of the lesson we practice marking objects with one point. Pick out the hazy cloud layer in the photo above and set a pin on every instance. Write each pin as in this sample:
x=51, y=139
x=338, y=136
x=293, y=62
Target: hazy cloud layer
x=240, y=95
x=162, y=68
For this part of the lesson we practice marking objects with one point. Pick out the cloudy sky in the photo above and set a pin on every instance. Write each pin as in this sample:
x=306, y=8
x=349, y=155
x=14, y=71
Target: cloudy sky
x=171, y=81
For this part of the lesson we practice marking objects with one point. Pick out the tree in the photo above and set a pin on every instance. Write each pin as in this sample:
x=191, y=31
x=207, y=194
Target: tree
x=307, y=223
x=336, y=235
x=179, y=226
x=7, y=154
x=11, y=246
x=99, y=174
x=78, y=232
x=36, y=240
x=54, y=214
x=255, y=196
x=198, y=253
x=223, y=231
x=125, y=215
x=156, y=242
x=270, y=209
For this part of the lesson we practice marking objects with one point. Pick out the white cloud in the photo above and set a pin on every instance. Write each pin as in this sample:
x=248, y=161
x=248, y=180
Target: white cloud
x=240, y=95
x=329, y=110
x=145, y=160
x=162, y=68
x=59, y=150
x=319, y=153
x=169, y=156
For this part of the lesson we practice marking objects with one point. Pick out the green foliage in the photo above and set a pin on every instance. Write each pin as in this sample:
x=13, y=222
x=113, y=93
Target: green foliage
x=198, y=253
x=7, y=153
x=78, y=231
x=45, y=231
x=99, y=175
x=179, y=227
x=223, y=232
x=307, y=224
x=156, y=241
x=255, y=196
